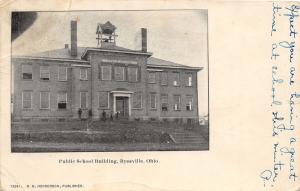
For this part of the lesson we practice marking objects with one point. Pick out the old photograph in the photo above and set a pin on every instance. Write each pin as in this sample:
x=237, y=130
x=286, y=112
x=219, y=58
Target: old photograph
x=97, y=81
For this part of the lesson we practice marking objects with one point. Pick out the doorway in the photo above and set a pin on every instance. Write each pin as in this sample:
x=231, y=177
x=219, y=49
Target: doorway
x=122, y=106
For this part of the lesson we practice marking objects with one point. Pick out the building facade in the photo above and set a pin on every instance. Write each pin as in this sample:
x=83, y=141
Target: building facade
x=83, y=82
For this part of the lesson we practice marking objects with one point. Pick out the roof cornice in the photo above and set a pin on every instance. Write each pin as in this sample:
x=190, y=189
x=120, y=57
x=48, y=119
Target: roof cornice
x=49, y=59
x=115, y=51
x=174, y=67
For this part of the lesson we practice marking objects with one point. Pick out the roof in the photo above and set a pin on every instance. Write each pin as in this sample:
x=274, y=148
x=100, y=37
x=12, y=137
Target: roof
x=160, y=63
x=64, y=53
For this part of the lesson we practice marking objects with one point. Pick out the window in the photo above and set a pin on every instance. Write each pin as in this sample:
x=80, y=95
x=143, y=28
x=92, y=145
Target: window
x=164, y=78
x=44, y=73
x=62, y=73
x=27, y=99
x=132, y=74
x=151, y=77
x=83, y=74
x=119, y=73
x=45, y=100
x=177, y=102
x=83, y=100
x=27, y=71
x=153, y=100
x=176, y=78
x=164, y=102
x=106, y=72
x=189, y=103
x=104, y=99
x=189, y=79
x=62, y=100
x=137, y=100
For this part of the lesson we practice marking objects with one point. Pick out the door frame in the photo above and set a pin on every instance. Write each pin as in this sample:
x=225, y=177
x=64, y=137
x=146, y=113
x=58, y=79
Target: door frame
x=123, y=101
x=122, y=94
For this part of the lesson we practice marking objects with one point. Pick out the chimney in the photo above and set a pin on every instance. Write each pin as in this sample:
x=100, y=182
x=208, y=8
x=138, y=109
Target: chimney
x=144, y=39
x=73, y=38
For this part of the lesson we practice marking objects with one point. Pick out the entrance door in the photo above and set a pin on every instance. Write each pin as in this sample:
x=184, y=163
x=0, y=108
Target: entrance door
x=122, y=106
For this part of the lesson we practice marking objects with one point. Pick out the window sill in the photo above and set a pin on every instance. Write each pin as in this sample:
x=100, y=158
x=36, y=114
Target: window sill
x=177, y=110
x=41, y=80
x=62, y=80
x=105, y=80
x=44, y=108
x=27, y=79
x=137, y=108
x=27, y=109
x=151, y=82
x=153, y=109
x=83, y=79
x=62, y=109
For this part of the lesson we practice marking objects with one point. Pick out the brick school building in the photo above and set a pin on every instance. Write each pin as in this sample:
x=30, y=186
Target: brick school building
x=81, y=82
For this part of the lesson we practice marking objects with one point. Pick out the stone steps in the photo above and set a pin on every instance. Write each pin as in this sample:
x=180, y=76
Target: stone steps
x=187, y=137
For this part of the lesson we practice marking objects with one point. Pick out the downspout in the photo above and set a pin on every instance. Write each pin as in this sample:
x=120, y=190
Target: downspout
x=91, y=90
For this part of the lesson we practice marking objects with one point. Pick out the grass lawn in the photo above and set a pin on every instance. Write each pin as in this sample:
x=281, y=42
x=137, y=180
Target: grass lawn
x=107, y=136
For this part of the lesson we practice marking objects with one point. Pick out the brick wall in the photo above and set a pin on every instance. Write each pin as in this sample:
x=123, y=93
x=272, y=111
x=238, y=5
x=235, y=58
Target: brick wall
x=74, y=85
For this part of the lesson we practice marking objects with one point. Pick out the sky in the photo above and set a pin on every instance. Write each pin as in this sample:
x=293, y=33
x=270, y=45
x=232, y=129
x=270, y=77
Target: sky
x=179, y=36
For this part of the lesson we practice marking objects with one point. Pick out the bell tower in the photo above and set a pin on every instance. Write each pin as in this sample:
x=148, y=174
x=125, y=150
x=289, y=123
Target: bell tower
x=106, y=35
